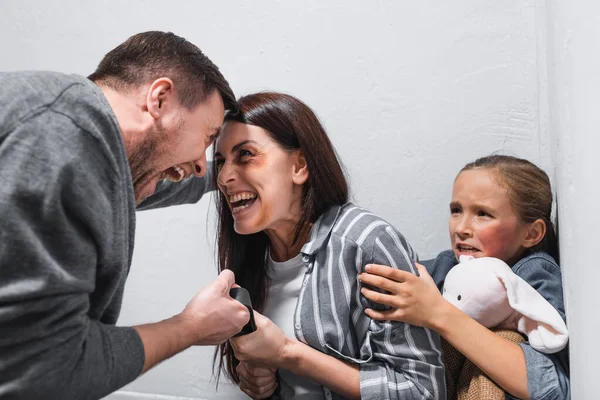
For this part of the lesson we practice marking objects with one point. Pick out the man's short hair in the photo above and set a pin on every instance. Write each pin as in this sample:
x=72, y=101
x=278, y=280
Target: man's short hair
x=147, y=56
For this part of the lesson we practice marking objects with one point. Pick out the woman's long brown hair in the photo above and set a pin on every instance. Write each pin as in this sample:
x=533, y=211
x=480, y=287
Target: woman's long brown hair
x=293, y=125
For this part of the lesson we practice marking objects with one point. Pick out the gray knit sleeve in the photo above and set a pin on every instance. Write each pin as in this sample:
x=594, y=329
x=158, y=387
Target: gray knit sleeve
x=57, y=213
x=188, y=191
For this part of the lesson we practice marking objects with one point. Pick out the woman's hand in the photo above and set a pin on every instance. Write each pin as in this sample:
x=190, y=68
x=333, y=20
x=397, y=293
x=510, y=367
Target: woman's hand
x=266, y=347
x=256, y=382
x=413, y=299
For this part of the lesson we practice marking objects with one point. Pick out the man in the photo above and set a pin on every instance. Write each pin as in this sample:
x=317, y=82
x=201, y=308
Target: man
x=76, y=157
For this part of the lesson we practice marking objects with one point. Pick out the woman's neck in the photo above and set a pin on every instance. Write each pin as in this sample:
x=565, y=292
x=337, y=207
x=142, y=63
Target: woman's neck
x=282, y=246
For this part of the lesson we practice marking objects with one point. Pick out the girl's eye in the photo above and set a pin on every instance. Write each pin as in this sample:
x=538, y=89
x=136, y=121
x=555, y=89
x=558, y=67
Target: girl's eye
x=482, y=213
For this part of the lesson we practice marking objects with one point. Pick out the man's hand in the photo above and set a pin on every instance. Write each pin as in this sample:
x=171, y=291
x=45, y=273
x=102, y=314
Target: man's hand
x=257, y=382
x=212, y=315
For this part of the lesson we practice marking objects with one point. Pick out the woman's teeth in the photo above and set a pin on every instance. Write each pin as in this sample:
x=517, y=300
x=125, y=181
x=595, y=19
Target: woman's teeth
x=241, y=196
x=241, y=201
x=240, y=208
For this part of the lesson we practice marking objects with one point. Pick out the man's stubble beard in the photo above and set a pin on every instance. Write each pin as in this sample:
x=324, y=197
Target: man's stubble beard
x=142, y=162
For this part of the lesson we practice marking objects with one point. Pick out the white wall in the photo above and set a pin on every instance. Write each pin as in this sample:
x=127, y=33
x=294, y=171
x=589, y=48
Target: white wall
x=574, y=60
x=409, y=92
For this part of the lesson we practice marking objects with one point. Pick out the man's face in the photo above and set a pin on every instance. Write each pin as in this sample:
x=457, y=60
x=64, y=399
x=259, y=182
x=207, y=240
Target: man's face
x=175, y=147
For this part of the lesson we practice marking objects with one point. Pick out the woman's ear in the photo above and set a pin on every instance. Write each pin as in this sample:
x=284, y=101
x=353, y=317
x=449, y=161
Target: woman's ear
x=300, y=169
x=535, y=233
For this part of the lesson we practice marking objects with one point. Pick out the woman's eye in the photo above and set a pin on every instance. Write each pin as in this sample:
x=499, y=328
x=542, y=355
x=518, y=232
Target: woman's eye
x=245, y=153
x=483, y=214
x=454, y=210
x=219, y=164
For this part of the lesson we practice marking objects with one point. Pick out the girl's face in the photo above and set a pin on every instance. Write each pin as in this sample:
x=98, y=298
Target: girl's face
x=261, y=181
x=483, y=222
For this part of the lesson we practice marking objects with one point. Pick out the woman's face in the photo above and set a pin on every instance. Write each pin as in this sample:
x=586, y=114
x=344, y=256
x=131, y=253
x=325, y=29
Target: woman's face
x=261, y=181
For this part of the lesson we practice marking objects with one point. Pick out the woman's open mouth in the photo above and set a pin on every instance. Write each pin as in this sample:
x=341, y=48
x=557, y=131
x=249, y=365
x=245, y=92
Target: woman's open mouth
x=241, y=201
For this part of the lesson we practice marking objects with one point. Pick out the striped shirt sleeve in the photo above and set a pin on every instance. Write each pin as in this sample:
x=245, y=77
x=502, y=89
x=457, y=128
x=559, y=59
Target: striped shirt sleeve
x=405, y=361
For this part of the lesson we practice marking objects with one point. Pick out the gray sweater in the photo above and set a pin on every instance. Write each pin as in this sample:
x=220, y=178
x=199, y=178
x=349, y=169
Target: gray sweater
x=67, y=228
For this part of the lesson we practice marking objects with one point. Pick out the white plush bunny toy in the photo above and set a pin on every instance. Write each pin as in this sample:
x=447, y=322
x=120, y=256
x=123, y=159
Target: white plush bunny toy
x=488, y=291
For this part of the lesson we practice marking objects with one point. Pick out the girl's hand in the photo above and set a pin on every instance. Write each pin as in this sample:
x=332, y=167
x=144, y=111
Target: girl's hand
x=413, y=299
x=266, y=347
x=257, y=382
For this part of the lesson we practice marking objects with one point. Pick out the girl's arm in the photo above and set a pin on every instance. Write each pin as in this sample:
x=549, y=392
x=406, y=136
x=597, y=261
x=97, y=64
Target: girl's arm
x=417, y=301
x=502, y=360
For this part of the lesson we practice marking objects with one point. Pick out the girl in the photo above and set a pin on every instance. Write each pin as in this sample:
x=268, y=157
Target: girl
x=288, y=232
x=500, y=208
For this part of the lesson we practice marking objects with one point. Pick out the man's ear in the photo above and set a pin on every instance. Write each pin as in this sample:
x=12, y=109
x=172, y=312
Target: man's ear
x=300, y=169
x=535, y=233
x=159, y=92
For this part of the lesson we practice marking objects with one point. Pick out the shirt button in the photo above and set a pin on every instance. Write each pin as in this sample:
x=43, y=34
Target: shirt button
x=305, y=258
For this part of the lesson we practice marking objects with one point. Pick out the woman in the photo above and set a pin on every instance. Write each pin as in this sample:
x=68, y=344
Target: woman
x=288, y=232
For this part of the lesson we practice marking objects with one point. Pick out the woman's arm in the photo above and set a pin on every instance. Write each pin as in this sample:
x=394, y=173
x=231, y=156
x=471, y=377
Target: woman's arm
x=405, y=361
x=416, y=300
x=269, y=347
x=339, y=376
x=395, y=360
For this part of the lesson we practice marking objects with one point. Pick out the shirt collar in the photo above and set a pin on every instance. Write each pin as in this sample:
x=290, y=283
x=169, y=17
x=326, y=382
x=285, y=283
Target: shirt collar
x=320, y=230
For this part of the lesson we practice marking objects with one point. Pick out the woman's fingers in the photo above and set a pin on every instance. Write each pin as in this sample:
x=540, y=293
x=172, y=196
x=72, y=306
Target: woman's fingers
x=259, y=393
x=256, y=382
x=256, y=371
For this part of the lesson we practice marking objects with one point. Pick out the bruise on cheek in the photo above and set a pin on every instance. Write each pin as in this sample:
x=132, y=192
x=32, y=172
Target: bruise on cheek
x=499, y=242
x=257, y=161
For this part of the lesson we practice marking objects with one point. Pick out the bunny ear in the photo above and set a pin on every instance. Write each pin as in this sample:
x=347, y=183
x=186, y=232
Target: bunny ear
x=540, y=321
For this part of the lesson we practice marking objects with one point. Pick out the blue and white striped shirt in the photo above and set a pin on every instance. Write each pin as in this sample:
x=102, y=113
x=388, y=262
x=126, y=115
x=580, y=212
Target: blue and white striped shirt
x=397, y=360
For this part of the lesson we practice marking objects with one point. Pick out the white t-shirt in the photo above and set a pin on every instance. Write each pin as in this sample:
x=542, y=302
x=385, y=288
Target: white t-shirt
x=282, y=297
